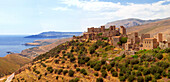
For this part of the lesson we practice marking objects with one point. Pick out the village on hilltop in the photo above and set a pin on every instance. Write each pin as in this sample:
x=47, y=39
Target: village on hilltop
x=119, y=38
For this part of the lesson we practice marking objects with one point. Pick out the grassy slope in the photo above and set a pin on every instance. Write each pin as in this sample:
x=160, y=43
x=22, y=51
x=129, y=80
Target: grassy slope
x=152, y=28
x=108, y=54
x=11, y=63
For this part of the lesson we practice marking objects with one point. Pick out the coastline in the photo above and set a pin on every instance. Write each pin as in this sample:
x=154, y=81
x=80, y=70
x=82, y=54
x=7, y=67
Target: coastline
x=44, y=46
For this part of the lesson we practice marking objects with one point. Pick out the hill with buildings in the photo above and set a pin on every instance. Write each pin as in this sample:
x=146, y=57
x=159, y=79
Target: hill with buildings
x=103, y=55
x=131, y=22
x=53, y=34
x=11, y=63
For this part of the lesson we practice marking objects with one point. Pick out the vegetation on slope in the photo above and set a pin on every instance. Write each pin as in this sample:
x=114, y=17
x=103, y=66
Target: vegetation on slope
x=97, y=61
x=11, y=63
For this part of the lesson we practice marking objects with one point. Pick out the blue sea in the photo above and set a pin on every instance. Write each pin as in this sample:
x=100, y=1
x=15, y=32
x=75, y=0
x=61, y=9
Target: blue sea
x=14, y=43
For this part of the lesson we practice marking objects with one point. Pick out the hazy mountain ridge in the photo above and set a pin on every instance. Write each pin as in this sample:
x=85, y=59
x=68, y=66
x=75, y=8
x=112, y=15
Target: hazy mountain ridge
x=152, y=28
x=131, y=22
x=53, y=34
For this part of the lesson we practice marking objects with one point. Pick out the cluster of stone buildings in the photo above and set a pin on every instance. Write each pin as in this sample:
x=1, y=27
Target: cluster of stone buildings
x=134, y=42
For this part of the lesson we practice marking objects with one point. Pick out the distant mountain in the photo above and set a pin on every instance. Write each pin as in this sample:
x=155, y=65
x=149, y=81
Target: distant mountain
x=53, y=34
x=153, y=28
x=131, y=22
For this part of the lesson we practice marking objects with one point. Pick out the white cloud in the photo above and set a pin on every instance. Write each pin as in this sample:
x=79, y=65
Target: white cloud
x=112, y=10
x=96, y=13
x=60, y=9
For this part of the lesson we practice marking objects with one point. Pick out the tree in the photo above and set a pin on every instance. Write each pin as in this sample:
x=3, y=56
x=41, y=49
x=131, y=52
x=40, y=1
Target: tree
x=148, y=78
x=96, y=74
x=77, y=69
x=114, y=74
x=157, y=76
x=131, y=78
x=99, y=79
x=159, y=56
x=71, y=73
x=140, y=79
x=122, y=78
x=65, y=72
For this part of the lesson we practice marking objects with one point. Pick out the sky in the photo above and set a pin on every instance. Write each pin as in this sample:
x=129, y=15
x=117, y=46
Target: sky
x=22, y=17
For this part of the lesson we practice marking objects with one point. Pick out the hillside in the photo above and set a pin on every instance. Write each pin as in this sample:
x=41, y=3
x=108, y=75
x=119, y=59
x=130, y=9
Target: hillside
x=152, y=28
x=35, y=51
x=131, y=22
x=11, y=63
x=90, y=61
x=53, y=34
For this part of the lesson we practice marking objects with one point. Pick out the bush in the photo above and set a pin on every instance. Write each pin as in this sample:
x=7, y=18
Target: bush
x=43, y=64
x=56, y=77
x=72, y=59
x=83, y=71
x=50, y=69
x=164, y=74
x=71, y=73
x=121, y=74
x=131, y=78
x=75, y=65
x=99, y=79
x=109, y=67
x=104, y=73
x=97, y=67
x=138, y=73
x=134, y=61
x=77, y=69
x=103, y=61
x=154, y=80
x=56, y=61
x=157, y=76
x=112, y=63
x=65, y=72
x=169, y=75
x=148, y=78
x=96, y=74
x=146, y=72
x=114, y=74
x=122, y=78
x=159, y=56
x=60, y=70
x=140, y=79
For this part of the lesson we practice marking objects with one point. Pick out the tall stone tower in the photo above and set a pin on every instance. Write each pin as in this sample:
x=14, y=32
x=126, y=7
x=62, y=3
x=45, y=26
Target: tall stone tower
x=160, y=37
x=122, y=30
x=102, y=28
x=112, y=28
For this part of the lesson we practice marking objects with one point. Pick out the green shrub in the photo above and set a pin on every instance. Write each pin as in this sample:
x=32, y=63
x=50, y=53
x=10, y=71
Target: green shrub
x=122, y=78
x=140, y=79
x=97, y=67
x=148, y=78
x=131, y=78
x=56, y=77
x=77, y=69
x=164, y=74
x=72, y=59
x=65, y=72
x=56, y=61
x=60, y=70
x=114, y=74
x=157, y=76
x=159, y=56
x=146, y=72
x=96, y=74
x=112, y=63
x=109, y=67
x=99, y=79
x=138, y=73
x=104, y=73
x=71, y=73
x=169, y=75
